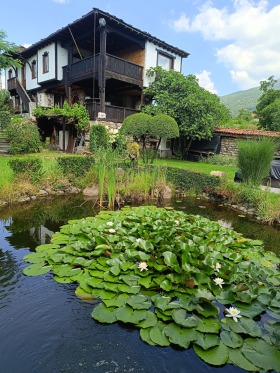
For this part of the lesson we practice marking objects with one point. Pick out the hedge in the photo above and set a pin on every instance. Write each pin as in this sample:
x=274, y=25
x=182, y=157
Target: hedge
x=75, y=166
x=189, y=180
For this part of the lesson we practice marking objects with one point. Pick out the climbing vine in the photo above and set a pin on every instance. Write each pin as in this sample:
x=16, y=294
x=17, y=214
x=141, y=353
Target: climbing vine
x=76, y=114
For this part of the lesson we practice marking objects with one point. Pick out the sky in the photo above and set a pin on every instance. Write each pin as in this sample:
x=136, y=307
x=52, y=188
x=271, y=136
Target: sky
x=233, y=44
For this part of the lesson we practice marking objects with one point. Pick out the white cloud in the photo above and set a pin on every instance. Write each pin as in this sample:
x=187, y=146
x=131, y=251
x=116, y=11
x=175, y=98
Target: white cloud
x=61, y=1
x=205, y=81
x=250, y=33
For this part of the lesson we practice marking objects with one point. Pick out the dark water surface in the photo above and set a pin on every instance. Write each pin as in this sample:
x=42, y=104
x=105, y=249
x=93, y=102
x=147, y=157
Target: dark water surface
x=45, y=328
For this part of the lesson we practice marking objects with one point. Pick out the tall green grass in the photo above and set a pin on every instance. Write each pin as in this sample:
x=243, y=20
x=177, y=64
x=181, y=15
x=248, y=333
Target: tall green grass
x=254, y=159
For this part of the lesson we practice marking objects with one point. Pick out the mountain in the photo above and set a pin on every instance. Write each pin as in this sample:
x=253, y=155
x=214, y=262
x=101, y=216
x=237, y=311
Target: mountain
x=243, y=99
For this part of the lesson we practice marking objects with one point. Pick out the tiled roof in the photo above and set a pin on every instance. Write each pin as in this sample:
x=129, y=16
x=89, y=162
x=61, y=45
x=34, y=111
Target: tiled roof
x=237, y=131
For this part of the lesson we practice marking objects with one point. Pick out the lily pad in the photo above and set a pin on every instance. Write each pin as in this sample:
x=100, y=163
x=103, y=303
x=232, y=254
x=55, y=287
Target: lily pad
x=180, y=336
x=261, y=354
x=217, y=355
x=157, y=334
x=36, y=269
x=105, y=314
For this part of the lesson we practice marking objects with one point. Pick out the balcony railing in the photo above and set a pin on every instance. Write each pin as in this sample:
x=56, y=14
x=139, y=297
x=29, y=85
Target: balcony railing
x=113, y=113
x=88, y=66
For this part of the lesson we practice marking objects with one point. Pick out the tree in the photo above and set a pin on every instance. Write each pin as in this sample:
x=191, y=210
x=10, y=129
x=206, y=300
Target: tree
x=143, y=126
x=7, y=50
x=196, y=110
x=268, y=107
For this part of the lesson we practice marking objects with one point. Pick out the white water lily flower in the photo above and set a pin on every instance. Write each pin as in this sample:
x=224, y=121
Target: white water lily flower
x=111, y=230
x=110, y=223
x=219, y=281
x=217, y=267
x=138, y=240
x=234, y=313
x=143, y=266
x=177, y=222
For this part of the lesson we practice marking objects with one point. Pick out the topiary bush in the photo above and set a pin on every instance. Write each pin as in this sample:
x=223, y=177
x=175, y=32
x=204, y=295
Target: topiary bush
x=180, y=279
x=99, y=137
x=24, y=137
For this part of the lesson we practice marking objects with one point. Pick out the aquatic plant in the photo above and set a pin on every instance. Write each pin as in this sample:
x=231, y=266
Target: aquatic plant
x=181, y=279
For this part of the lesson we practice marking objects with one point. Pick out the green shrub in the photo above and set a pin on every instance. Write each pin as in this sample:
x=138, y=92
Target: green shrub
x=74, y=166
x=5, y=119
x=221, y=160
x=254, y=159
x=99, y=137
x=24, y=137
x=189, y=180
x=28, y=167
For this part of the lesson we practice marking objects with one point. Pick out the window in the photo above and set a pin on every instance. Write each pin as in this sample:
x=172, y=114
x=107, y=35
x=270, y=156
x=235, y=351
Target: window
x=34, y=69
x=45, y=62
x=165, y=61
x=10, y=74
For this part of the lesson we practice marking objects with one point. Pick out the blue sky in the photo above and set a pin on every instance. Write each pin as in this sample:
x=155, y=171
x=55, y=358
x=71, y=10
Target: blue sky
x=233, y=44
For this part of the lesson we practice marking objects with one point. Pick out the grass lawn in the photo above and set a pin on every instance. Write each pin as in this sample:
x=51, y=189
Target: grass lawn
x=198, y=166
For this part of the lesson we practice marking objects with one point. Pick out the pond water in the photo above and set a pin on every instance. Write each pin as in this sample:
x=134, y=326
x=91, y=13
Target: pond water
x=45, y=328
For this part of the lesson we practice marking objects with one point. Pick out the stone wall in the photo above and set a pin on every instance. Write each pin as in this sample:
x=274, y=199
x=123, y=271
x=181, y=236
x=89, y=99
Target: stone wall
x=228, y=146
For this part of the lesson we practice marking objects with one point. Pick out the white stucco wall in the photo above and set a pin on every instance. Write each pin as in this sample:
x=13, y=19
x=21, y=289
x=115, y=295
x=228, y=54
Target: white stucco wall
x=62, y=60
x=51, y=74
x=31, y=83
x=151, y=59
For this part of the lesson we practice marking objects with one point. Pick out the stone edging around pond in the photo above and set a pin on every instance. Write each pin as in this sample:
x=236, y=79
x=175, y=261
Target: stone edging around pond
x=249, y=212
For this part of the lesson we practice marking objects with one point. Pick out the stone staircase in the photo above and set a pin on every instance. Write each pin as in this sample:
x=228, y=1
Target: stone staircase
x=4, y=145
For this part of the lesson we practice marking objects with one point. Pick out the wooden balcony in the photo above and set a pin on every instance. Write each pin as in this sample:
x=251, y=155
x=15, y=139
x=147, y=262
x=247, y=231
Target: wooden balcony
x=114, y=68
x=113, y=113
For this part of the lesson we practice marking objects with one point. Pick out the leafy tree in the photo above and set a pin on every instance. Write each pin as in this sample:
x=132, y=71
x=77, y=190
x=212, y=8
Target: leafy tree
x=7, y=50
x=268, y=107
x=5, y=108
x=99, y=137
x=196, y=110
x=143, y=126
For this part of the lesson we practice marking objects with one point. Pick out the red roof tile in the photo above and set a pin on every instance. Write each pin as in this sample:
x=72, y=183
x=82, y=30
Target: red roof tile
x=237, y=131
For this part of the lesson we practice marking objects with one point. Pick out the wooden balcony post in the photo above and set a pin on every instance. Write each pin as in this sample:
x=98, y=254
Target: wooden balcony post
x=102, y=63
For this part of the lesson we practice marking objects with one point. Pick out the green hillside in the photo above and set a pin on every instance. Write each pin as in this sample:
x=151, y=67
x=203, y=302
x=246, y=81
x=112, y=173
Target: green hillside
x=243, y=99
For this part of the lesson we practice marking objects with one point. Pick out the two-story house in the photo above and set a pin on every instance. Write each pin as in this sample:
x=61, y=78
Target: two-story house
x=98, y=60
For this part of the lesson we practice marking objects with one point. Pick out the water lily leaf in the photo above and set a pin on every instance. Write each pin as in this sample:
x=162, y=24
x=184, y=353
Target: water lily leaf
x=66, y=270
x=206, y=341
x=104, y=314
x=36, y=269
x=264, y=298
x=170, y=259
x=103, y=294
x=273, y=313
x=101, y=241
x=111, y=287
x=180, y=317
x=47, y=246
x=149, y=321
x=231, y=339
x=134, y=289
x=244, y=325
x=117, y=301
x=63, y=280
x=35, y=257
x=96, y=283
x=145, y=336
x=157, y=334
x=109, y=278
x=180, y=336
x=139, y=302
x=204, y=294
x=245, y=296
x=146, y=281
x=225, y=297
x=162, y=315
x=206, y=309
x=166, y=285
x=161, y=302
x=261, y=354
x=82, y=262
x=127, y=314
x=217, y=355
x=208, y=325
x=96, y=273
x=124, y=266
x=237, y=358
x=130, y=280
x=250, y=310
x=81, y=294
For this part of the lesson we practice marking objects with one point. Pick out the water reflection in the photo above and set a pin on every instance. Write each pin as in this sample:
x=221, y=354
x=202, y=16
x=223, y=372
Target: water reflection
x=51, y=330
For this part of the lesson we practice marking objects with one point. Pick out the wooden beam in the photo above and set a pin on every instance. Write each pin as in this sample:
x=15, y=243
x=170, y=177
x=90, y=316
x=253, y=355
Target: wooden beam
x=102, y=68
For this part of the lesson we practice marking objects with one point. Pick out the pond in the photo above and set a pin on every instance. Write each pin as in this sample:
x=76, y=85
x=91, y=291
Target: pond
x=44, y=327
